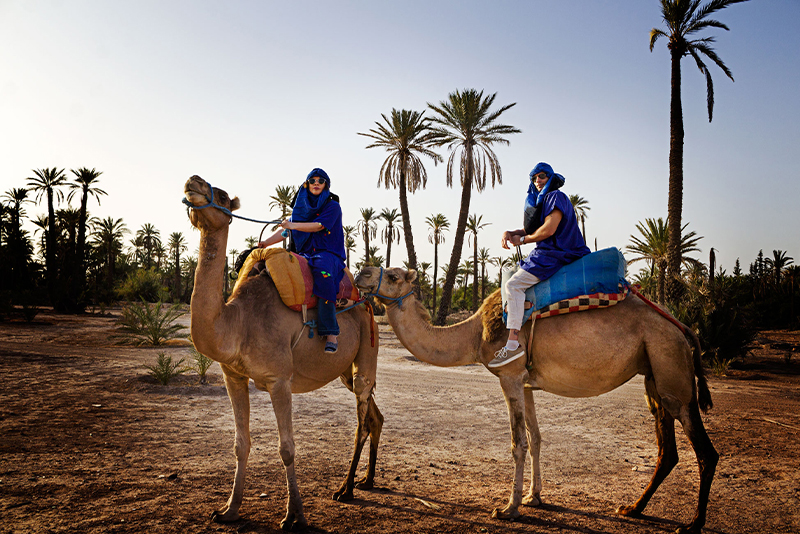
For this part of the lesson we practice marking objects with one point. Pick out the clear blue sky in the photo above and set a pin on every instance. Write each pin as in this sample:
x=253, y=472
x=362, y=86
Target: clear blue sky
x=252, y=95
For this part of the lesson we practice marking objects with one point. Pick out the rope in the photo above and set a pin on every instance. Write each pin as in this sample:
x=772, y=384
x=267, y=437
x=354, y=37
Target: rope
x=661, y=312
x=223, y=209
x=393, y=299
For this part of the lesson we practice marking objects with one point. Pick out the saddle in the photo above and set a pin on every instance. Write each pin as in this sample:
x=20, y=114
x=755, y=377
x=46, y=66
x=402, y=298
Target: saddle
x=292, y=277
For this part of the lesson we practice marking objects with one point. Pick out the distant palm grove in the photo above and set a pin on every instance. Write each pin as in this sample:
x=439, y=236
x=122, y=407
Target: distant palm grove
x=75, y=262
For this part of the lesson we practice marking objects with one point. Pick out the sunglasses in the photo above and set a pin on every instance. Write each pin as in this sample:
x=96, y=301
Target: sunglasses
x=316, y=180
x=538, y=176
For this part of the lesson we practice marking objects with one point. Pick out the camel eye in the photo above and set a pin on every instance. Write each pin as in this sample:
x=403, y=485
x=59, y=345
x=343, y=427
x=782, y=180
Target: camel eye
x=392, y=278
x=223, y=197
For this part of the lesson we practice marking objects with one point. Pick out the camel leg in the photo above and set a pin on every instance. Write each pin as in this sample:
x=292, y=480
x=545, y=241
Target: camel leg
x=534, y=497
x=281, y=394
x=707, y=458
x=362, y=388
x=667, y=458
x=513, y=390
x=240, y=401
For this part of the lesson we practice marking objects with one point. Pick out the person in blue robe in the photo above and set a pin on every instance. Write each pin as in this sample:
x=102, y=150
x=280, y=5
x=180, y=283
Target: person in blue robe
x=316, y=233
x=550, y=222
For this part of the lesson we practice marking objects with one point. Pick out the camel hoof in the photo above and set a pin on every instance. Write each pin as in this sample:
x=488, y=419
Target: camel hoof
x=688, y=529
x=292, y=523
x=507, y=514
x=365, y=484
x=343, y=495
x=218, y=516
x=629, y=511
x=532, y=500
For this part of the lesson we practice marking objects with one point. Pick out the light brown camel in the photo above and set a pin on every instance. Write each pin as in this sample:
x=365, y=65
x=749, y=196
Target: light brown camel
x=254, y=336
x=575, y=355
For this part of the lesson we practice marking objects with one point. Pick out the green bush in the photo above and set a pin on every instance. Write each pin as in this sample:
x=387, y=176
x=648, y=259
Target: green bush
x=165, y=369
x=145, y=323
x=202, y=363
x=143, y=284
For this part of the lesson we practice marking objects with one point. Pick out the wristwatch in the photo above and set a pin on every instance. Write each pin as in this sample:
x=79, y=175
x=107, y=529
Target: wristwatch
x=523, y=240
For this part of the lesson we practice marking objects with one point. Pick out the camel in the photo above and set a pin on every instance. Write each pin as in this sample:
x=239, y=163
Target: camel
x=255, y=336
x=575, y=355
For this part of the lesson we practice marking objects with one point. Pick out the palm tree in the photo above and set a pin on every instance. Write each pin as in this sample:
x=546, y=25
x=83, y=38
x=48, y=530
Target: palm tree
x=177, y=245
x=466, y=124
x=148, y=238
x=390, y=232
x=17, y=197
x=406, y=137
x=581, y=206
x=374, y=259
x=483, y=259
x=349, y=241
x=107, y=236
x=777, y=263
x=84, y=182
x=501, y=263
x=282, y=200
x=367, y=228
x=683, y=19
x=474, y=226
x=438, y=224
x=652, y=246
x=47, y=182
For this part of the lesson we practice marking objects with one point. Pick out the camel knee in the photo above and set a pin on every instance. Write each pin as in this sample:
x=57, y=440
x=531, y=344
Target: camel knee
x=241, y=447
x=362, y=387
x=286, y=451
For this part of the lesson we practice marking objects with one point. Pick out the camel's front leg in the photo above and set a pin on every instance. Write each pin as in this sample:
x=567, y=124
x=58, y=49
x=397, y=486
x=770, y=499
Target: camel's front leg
x=513, y=390
x=240, y=400
x=281, y=394
x=534, y=497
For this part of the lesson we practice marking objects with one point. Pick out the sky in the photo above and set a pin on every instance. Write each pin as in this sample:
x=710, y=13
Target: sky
x=251, y=95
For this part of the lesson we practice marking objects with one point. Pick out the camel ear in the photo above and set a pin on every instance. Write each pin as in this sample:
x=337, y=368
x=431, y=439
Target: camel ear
x=235, y=205
x=411, y=276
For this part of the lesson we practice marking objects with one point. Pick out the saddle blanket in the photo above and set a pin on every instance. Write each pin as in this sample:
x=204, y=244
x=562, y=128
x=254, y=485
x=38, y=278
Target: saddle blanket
x=576, y=304
x=292, y=277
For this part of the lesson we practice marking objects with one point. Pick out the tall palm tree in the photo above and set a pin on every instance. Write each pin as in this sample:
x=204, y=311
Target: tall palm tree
x=438, y=224
x=17, y=197
x=107, y=236
x=501, y=263
x=406, y=137
x=483, y=259
x=367, y=227
x=777, y=263
x=46, y=182
x=282, y=200
x=84, y=182
x=149, y=239
x=349, y=240
x=469, y=128
x=652, y=246
x=581, y=206
x=474, y=225
x=177, y=245
x=390, y=231
x=684, y=19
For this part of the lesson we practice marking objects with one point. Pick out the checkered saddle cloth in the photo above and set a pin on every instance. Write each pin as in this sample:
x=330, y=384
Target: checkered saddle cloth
x=579, y=303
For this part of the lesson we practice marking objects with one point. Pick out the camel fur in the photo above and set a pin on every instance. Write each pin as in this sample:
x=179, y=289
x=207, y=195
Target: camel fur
x=574, y=355
x=255, y=336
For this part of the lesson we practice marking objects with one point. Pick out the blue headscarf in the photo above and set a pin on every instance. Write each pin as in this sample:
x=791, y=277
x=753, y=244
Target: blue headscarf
x=306, y=206
x=533, y=202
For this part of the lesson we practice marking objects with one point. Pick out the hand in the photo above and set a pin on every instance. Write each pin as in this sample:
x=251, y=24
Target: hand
x=286, y=224
x=504, y=240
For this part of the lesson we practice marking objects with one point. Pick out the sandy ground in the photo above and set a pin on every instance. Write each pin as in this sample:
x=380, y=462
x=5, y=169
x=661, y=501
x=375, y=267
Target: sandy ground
x=90, y=443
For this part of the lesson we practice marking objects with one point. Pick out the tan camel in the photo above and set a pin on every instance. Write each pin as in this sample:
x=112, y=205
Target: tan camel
x=575, y=355
x=254, y=336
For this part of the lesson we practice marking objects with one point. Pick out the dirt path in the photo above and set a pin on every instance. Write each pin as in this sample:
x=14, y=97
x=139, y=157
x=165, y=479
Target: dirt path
x=90, y=443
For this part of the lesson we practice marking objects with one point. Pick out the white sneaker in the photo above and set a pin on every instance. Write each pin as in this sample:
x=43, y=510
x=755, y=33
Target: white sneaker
x=504, y=356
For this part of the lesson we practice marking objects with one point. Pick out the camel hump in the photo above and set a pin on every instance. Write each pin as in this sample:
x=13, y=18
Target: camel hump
x=292, y=277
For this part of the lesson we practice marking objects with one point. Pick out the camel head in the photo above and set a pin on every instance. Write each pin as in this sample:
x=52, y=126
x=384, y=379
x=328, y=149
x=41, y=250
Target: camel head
x=386, y=284
x=200, y=193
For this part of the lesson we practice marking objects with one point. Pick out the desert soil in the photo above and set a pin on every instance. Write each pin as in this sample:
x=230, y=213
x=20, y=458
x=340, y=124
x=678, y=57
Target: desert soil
x=90, y=443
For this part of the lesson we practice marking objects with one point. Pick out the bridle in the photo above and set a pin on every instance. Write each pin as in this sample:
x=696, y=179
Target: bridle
x=223, y=209
x=398, y=300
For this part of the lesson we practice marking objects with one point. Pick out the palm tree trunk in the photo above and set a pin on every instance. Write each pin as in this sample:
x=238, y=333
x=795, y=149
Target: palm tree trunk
x=81, y=263
x=50, y=254
x=675, y=199
x=458, y=243
x=435, y=268
x=475, y=274
x=389, y=250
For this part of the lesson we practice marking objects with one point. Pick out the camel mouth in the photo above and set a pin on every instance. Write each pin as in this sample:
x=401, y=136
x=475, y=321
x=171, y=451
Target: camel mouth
x=192, y=194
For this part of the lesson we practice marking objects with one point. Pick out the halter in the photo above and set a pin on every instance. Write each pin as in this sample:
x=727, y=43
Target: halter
x=399, y=300
x=223, y=209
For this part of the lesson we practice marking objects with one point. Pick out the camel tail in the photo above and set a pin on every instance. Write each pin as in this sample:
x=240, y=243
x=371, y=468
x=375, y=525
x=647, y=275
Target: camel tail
x=703, y=393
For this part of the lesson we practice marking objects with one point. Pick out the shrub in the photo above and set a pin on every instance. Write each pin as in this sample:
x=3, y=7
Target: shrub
x=144, y=323
x=143, y=284
x=202, y=363
x=165, y=369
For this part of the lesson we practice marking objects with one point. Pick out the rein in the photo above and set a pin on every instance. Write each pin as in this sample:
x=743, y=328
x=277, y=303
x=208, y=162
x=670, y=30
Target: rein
x=223, y=209
x=398, y=300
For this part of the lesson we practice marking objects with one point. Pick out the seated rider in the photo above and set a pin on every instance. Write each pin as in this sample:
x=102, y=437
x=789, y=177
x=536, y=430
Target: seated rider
x=550, y=222
x=317, y=235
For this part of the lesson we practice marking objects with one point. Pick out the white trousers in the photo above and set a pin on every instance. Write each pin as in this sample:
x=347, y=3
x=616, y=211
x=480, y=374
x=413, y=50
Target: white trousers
x=515, y=292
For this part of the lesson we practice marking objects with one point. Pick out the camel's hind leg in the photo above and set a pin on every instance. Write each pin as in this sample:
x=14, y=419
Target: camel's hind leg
x=513, y=389
x=534, y=497
x=240, y=401
x=667, y=452
x=707, y=458
x=375, y=422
